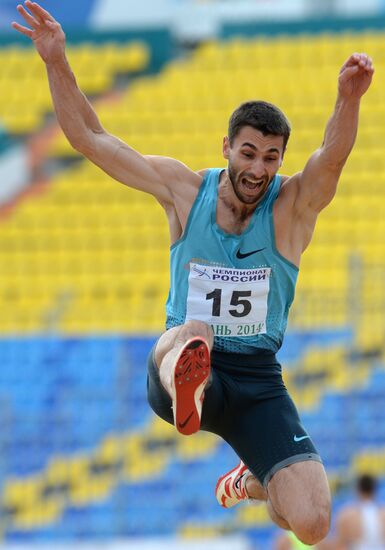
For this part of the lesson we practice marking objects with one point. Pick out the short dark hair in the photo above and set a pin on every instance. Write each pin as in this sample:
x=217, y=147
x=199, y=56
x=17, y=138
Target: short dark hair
x=366, y=484
x=262, y=116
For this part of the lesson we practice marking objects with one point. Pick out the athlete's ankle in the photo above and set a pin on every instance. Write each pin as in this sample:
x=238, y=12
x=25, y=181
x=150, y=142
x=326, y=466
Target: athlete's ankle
x=254, y=489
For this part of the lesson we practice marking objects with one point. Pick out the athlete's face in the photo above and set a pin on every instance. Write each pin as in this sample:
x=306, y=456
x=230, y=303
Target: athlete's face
x=253, y=161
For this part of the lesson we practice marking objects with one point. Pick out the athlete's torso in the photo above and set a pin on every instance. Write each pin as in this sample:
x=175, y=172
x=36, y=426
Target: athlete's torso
x=238, y=283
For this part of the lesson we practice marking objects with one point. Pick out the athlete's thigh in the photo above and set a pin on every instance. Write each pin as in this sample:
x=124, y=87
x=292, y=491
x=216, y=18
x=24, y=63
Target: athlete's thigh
x=300, y=492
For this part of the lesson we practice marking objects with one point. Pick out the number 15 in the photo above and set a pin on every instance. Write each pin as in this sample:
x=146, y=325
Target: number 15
x=236, y=300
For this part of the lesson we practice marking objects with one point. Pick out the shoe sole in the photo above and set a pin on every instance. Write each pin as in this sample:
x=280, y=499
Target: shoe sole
x=222, y=487
x=191, y=374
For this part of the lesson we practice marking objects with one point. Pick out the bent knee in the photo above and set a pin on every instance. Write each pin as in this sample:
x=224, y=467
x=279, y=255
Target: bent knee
x=196, y=328
x=312, y=527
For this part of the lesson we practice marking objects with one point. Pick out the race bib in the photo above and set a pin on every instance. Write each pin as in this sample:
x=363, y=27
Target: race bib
x=233, y=301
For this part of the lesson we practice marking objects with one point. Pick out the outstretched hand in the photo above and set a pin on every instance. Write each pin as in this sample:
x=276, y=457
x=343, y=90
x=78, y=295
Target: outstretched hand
x=46, y=33
x=355, y=76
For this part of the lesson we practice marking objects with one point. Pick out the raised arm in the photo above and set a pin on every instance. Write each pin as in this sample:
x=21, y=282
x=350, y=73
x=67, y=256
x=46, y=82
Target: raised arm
x=317, y=184
x=80, y=123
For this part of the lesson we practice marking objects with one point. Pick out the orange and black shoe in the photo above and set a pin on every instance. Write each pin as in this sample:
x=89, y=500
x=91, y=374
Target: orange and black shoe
x=191, y=374
x=231, y=487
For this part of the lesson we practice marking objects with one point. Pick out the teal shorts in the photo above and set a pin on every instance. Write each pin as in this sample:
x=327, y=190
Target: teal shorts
x=247, y=404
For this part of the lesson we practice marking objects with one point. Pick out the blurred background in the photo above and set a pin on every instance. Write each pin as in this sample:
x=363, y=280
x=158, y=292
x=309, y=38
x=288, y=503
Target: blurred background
x=84, y=463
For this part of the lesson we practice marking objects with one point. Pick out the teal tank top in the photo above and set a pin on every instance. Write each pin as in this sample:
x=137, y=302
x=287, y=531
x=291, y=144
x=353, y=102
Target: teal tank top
x=239, y=284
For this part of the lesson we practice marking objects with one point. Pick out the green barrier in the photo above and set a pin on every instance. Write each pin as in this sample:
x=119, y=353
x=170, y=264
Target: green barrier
x=159, y=42
x=308, y=26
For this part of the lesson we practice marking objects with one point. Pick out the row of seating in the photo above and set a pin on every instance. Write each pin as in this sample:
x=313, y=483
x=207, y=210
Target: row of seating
x=83, y=211
x=95, y=447
x=307, y=49
x=95, y=67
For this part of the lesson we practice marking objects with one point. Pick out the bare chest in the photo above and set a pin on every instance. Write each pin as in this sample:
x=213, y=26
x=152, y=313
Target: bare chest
x=232, y=221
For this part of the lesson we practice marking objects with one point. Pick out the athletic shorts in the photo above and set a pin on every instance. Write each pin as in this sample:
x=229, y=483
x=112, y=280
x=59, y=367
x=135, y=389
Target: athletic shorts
x=247, y=404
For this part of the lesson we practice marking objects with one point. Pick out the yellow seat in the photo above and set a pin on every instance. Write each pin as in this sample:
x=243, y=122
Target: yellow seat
x=104, y=247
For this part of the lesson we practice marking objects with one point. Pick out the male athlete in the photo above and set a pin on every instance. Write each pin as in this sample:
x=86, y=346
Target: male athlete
x=237, y=236
x=361, y=525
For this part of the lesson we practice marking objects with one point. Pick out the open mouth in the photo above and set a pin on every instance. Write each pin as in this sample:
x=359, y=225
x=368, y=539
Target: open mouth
x=251, y=185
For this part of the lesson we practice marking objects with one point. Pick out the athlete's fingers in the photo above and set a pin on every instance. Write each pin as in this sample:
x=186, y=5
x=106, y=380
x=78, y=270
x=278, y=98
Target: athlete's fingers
x=352, y=60
x=23, y=30
x=356, y=58
x=360, y=61
x=365, y=64
x=28, y=17
x=369, y=70
x=363, y=60
x=38, y=11
x=348, y=72
x=369, y=65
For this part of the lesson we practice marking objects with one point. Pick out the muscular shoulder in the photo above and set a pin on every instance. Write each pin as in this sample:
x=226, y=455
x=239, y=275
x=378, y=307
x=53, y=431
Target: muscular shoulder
x=289, y=197
x=289, y=186
x=286, y=197
x=174, y=169
x=179, y=178
x=203, y=172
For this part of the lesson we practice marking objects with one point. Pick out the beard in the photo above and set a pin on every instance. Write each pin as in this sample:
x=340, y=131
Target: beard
x=246, y=199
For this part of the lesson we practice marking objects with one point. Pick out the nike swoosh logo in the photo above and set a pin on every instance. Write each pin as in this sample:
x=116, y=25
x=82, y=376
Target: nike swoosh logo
x=297, y=439
x=183, y=424
x=240, y=255
x=237, y=481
